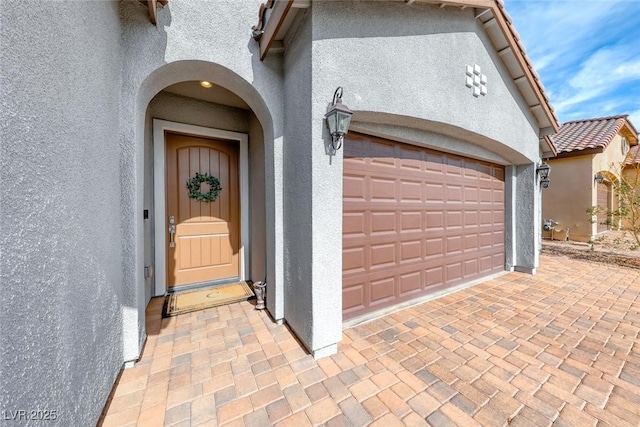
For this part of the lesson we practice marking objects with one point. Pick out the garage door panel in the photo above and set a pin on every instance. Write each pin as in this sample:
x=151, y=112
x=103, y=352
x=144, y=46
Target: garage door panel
x=353, y=224
x=434, y=247
x=410, y=221
x=435, y=192
x=471, y=218
x=470, y=268
x=383, y=256
x=429, y=220
x=410, y=283
x=383, y=189
x=354, y=187
x=434, y=220
x=471, y=242
x=411, y=191
x=497, y=217
x=410, y=251
x=453, y=245
x=486, y=263
x=454, y=165
x=434, y=276
x=471, y=194
x=383, y=222
x=353, y=260
x=453, y=272
x=353, y=297
x=383, y=290
x=454, y=193
x=454, y=219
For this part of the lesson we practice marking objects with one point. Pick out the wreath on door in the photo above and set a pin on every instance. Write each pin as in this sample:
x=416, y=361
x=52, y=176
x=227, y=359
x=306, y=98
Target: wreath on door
x=194, y=184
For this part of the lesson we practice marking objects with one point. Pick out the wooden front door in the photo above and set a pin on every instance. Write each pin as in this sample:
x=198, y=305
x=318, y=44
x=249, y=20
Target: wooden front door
x=604, y=202
x=205, y=246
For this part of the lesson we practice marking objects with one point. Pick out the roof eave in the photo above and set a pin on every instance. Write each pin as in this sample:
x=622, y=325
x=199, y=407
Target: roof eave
x=541, y=109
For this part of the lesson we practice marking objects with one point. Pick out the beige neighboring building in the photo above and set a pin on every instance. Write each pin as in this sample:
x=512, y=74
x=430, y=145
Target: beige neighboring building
x=590, y=160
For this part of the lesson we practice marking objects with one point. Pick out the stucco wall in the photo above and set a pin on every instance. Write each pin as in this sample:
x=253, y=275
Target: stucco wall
x=610, y=160
x=569, y=195
x=409, y=61
x=62, y=298
x=192, y=41
x=573, y=190
x=298, y=190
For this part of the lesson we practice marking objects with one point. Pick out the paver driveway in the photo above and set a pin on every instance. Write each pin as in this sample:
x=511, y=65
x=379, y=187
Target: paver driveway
x=560, y=348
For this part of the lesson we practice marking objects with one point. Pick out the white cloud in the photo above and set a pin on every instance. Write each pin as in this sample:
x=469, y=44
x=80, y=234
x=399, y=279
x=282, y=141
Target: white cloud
x=606, y=71
x=586, y=52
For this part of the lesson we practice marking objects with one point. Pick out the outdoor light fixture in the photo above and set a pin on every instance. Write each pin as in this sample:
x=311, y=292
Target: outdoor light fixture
x=599, y=178
x=338, y=119
x=205, y=84
x=544, y=170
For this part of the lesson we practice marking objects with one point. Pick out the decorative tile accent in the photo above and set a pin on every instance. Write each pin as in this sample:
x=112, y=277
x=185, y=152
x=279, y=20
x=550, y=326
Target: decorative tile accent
x=476, y=80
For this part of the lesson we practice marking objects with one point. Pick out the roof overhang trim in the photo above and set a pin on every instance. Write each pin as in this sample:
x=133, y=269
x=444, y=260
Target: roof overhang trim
x=152, y=7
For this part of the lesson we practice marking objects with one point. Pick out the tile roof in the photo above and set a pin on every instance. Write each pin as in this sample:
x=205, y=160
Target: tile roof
x=586, y=134
x=633, y=156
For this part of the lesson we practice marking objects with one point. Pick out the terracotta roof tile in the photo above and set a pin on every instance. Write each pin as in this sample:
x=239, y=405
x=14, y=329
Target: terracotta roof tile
x=633, y=156
x=586, y=134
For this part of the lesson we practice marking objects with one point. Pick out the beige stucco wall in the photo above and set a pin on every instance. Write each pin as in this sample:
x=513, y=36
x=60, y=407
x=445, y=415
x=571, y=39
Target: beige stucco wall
x=569, y=195
x=631, y=175
x=573, y=189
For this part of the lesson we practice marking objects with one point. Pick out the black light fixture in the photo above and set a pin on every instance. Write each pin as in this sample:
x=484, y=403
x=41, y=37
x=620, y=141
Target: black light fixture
x=599, y=178
x=338, y=119
x=544, y=170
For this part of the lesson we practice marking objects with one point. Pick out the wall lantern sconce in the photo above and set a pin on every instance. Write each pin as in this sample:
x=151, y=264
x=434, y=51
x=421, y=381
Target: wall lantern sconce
x=338, y=119
x=544, y=170
x=599, y=178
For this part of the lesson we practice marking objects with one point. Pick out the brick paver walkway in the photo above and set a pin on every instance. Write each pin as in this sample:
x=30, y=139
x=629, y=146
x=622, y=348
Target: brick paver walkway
x=560, y=348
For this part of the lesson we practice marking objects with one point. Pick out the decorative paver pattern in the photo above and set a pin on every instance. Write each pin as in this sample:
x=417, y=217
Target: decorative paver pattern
x=561, y=348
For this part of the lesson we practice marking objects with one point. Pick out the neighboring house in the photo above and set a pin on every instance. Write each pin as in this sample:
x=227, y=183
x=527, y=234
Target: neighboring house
x=631, y=177
x=103, y=121
x=590, y=159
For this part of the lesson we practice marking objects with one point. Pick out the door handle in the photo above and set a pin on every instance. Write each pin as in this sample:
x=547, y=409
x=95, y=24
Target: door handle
x=172, y=232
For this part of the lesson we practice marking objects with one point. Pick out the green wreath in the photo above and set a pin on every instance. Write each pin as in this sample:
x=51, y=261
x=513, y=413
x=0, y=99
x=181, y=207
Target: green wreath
x=194, y=183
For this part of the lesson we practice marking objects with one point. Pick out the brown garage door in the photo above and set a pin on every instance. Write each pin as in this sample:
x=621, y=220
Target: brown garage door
x=604, y=201
x=415, y=221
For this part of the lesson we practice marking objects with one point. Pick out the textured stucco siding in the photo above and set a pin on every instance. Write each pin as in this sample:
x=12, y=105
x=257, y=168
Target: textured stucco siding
x=192, y=41
x=409, y=61
x=298, y=185
x=570, y=193
x=60, y=268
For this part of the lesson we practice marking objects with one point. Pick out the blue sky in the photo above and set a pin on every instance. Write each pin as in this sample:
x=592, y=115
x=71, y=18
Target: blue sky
x=587, y=53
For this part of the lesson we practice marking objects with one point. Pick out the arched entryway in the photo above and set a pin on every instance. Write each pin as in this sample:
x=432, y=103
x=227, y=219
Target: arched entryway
x=229, y=120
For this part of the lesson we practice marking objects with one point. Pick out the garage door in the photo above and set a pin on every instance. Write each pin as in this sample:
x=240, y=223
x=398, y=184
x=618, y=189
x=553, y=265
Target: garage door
x=415, y=221
x=604, y=201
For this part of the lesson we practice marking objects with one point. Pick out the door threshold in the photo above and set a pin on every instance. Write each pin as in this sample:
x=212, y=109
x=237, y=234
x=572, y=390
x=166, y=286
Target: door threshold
x=208, y=284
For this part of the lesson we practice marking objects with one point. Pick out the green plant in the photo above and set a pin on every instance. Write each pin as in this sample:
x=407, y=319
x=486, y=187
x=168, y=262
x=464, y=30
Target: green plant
x=627, y=191
x=194, y=183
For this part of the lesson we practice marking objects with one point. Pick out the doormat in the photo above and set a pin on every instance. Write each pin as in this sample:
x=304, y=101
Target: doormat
x=187, y=301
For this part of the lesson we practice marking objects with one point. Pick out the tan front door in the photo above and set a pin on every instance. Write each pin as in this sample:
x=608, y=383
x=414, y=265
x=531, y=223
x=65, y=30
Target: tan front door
x=207, y=234
x=604, y=201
